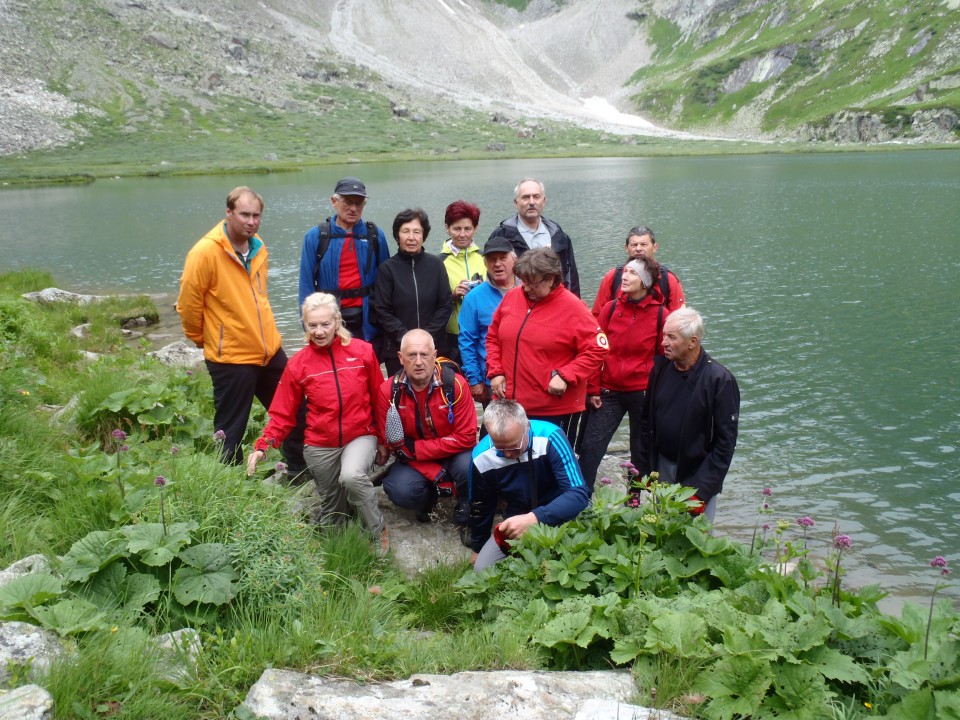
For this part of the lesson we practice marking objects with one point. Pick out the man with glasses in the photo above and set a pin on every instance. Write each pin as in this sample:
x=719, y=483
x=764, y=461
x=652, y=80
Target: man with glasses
x=341, y=256
x=528, y=229
x=527, y=467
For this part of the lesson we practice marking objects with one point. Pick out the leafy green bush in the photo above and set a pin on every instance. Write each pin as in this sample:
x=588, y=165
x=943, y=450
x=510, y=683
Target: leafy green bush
x=649, y=587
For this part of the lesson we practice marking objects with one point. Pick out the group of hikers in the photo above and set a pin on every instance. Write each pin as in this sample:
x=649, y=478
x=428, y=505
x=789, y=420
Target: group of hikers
x=502, y=328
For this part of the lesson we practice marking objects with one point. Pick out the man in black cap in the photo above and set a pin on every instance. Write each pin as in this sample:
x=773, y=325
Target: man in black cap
x=477, y=311
x=341, y=256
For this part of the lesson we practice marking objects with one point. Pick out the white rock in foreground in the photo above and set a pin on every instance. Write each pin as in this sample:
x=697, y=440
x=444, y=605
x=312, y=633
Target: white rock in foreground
x=286, y=695
x=27, y=702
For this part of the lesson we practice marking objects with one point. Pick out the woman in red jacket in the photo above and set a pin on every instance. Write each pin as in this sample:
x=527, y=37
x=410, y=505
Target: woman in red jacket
x=339, y=376
x=633, y=322
x=543, y=344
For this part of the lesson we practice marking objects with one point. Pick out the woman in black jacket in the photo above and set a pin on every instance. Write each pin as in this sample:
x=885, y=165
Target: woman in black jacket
x=412, y=289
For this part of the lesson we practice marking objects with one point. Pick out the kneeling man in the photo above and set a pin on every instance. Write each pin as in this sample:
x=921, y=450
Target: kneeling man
x=528, y=468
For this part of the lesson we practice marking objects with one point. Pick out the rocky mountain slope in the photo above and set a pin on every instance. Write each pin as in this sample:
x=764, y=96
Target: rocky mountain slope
x=758, y=69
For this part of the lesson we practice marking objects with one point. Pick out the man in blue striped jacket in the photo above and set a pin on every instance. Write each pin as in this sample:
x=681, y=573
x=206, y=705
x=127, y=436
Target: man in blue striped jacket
x=527, y=468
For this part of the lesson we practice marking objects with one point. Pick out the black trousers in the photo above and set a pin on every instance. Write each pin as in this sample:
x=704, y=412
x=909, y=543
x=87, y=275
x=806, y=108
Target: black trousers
x=234, y=388
x=567, y=423
x=602, y=423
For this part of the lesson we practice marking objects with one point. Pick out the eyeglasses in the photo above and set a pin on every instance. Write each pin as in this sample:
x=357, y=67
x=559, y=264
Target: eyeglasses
x=536, y=283
x=503, y=452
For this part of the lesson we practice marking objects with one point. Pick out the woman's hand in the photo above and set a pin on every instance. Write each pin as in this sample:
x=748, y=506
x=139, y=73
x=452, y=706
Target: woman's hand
x=383, y=454
x=498, y=386
x=594, y=401
x=462, y=289
x=557, y=386
x=255, y=457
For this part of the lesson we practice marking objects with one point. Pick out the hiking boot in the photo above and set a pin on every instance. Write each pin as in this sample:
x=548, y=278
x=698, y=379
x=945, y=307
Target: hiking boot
x=423, y=516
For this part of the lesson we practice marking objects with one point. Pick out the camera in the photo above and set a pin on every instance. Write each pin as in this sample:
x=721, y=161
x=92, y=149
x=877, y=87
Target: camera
x=471, y=284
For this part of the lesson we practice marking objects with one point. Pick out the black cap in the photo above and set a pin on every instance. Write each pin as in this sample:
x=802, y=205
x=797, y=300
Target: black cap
x=497, y=245
x=350, y=186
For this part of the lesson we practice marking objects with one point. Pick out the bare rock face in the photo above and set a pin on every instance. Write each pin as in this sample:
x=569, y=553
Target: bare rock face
x=285, y=695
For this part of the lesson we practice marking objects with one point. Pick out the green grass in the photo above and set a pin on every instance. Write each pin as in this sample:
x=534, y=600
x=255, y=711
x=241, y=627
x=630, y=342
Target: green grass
x=616, y=586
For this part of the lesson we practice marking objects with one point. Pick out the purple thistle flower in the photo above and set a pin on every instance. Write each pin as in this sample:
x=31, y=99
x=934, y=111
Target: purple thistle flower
x=219, y=436
x=944, y=572
x=124, y=448
x=119, y=435
x=842, y=542
x=605, y=481
x=805, y=521
x=281, y=467
x=766, y=506
x=939, y=562
x=767, y=492
x=765, y=527
x=189, y=373
x=160, y=481
x=174, y=450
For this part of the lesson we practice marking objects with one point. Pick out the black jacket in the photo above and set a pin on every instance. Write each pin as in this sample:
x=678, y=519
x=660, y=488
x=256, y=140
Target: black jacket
x=559, y=242
x=412, y=291
x=709, y=431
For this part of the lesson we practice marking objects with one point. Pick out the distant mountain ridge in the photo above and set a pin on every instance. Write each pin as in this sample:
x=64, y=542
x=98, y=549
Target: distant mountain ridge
x=753, y=69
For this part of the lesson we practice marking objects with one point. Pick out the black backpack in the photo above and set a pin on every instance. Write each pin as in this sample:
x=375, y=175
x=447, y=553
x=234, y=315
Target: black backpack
x=373, y=238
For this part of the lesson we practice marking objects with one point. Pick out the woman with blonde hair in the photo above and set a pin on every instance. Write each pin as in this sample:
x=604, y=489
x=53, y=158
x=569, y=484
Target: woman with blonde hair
x=339, y=376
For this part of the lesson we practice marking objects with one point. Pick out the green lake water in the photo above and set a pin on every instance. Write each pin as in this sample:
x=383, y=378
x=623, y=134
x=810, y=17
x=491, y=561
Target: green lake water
x=828, y=284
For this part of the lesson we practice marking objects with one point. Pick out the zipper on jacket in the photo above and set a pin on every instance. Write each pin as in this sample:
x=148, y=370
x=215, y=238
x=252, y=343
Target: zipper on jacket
x=416, y=289
x=516, y=351
x=336, y=381
x=256, y=304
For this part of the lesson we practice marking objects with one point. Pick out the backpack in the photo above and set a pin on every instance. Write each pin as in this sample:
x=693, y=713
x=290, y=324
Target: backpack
x=372, y=238
x=393, y=429
x=664, y=282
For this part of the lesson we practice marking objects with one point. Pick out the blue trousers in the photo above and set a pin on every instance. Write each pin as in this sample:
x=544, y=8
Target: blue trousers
x=410, y=490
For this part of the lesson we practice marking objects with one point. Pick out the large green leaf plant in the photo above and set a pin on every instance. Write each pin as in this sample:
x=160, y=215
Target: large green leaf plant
x=649, y=587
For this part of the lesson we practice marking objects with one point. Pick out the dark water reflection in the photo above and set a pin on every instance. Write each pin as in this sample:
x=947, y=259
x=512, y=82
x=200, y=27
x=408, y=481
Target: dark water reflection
x=828, y=285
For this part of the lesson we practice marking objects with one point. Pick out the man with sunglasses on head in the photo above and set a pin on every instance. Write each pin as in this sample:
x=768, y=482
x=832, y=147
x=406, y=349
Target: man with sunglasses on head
x=341, y=256
x=527, y=467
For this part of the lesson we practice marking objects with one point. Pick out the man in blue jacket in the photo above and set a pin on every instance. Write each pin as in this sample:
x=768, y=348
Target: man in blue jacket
x=528, y=468
x=341, y=256
x=477, y=311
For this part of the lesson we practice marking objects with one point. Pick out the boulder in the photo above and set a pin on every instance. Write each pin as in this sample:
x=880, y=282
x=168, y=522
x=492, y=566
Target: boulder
x=26, y=648
x=48, y=296
x=524, y=695
x=179, y=353
x=25, y=566
x=27, y=702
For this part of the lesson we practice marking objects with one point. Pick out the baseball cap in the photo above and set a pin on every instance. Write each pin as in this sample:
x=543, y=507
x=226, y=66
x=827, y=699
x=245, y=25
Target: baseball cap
x=497, y=245
x=350, y=186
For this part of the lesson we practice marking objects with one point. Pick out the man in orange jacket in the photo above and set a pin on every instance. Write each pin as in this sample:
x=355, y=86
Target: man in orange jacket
x=224, y=309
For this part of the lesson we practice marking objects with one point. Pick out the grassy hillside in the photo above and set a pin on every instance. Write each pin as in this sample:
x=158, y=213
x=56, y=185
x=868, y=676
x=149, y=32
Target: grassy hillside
x=782, y=65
